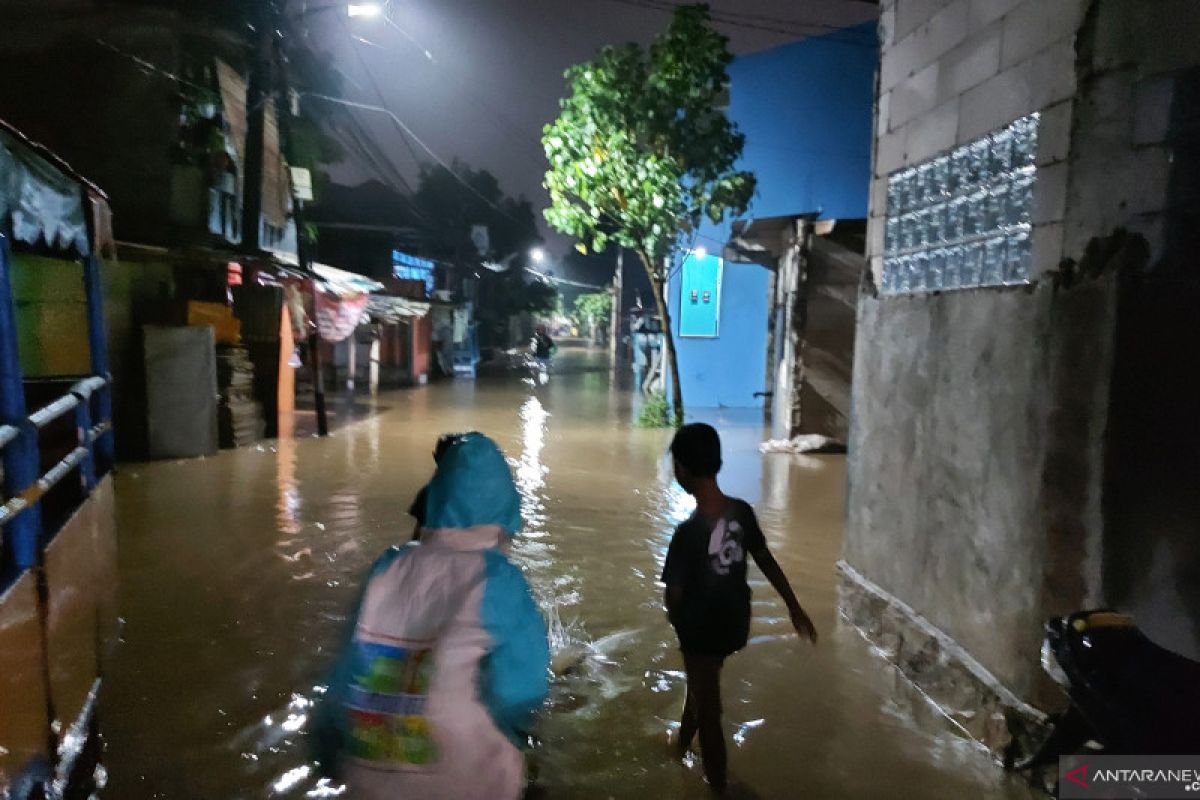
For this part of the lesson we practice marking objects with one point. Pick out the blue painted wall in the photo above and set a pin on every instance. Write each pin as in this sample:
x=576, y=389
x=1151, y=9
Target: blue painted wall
x=805, y=109
x=727, y=370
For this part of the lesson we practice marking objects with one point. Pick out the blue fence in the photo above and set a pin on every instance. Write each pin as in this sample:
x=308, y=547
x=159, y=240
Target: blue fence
x=89, y=400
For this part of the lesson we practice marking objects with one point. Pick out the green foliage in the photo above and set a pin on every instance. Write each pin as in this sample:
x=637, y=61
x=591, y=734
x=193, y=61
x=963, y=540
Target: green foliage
x=596, y=306
x=540, y=298
x=641, y=151
x=449, y=202
x=452, y=200
x=655, y=412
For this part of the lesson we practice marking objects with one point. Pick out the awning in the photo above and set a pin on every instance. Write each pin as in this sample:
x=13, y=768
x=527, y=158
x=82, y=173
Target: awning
x=384, y=308
x=44, y=199
x=331, y=279
x=342, y=282
x=762, y=240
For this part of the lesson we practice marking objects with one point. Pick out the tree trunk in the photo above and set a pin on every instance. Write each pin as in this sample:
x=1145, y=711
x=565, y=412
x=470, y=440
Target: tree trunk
x=660, y=299
x=614, y=334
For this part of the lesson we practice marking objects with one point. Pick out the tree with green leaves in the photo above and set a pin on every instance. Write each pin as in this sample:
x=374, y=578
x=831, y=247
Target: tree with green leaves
x=449, y=201
x=642, y=152
x=593, y=309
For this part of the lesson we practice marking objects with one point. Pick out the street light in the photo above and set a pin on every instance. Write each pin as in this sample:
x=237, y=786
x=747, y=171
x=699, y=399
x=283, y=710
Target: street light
x=268, y=77
x=537, y=255
x=365, y=10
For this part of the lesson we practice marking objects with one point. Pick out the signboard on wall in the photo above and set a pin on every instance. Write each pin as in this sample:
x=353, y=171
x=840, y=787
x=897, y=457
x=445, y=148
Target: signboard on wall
x=411, y=268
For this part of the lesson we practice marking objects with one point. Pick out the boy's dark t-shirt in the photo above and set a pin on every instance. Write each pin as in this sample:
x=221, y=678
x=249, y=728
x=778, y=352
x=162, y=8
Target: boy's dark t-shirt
x=707, y=558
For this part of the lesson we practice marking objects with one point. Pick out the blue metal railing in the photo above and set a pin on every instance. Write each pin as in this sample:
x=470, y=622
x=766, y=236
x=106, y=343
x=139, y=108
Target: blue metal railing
x=82, y=457
x=20, y=453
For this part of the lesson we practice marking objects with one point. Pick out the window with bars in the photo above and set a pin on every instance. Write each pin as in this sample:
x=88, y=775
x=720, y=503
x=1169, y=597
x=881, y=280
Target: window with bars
x=962, y=219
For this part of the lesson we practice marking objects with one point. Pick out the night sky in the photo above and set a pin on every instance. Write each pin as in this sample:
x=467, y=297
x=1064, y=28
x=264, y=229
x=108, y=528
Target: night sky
x=495, y=76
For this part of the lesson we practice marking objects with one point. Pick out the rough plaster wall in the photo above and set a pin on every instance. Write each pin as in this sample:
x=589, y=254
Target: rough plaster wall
x=946, y=460
x=1135, y=165
x=954, y=394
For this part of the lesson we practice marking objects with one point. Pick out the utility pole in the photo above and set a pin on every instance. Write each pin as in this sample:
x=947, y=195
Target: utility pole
x=257, y=97
x=268, y=73
x=614, y=330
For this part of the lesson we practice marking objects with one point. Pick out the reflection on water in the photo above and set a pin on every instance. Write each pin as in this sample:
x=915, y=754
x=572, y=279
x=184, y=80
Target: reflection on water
x=237, y=573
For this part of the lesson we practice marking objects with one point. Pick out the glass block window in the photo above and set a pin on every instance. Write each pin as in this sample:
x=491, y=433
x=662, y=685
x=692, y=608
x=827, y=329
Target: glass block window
x=962, y=220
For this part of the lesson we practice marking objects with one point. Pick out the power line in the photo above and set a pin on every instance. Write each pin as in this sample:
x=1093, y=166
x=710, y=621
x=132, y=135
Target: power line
x=151, y=67
x=447, y=67
x=767, y=19
x=753, y=21
x=400, y=123
x=548, y=277
x=355, y=137
x=362, y=62
x=725, y=18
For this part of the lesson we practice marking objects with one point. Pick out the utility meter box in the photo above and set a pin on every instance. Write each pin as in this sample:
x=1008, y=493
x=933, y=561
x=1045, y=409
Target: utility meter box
x=700, y=295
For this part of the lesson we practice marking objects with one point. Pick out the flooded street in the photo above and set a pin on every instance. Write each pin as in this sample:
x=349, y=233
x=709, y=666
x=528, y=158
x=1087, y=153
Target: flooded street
x=238, y=571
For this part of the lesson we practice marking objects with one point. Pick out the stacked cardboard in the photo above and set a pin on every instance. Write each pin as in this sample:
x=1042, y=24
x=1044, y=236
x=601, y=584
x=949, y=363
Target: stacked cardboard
x=239, y=414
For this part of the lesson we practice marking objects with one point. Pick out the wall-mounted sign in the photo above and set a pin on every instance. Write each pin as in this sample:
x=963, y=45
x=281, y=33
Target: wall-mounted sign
x=302, y=186
x=411, y=268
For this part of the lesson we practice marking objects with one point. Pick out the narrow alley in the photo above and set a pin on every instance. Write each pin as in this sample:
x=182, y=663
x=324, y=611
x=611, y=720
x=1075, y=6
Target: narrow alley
x=238, y=571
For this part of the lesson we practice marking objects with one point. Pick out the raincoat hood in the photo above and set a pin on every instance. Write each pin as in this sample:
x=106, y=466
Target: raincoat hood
x=473, y=486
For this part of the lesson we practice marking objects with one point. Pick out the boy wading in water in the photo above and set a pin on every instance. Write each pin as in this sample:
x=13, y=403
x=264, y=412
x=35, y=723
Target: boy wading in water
x=707, y=598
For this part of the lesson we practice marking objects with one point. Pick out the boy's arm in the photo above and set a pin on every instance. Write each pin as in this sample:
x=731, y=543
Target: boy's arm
x=673, y=599
x=673, y=575
x=770, y=567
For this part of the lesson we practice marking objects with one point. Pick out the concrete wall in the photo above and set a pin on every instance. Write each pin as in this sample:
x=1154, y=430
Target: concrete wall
x=951, y=390
x=981, y=476
x=1135, y=167
x=805, y=111
x=51, y=312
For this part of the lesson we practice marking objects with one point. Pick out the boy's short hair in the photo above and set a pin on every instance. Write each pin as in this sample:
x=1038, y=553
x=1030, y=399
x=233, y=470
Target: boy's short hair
x=697, y=448
x=444, y=443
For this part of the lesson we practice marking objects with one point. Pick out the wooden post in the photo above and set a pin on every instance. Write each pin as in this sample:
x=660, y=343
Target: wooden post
x=410, y=350
x=374, y=361
x=303, y=254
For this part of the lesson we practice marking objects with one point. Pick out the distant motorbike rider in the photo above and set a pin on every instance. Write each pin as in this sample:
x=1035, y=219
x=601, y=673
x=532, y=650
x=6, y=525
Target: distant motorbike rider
x=543, y=346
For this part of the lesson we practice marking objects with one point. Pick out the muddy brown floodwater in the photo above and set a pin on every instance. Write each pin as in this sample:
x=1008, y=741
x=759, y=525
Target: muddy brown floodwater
x=237, y=572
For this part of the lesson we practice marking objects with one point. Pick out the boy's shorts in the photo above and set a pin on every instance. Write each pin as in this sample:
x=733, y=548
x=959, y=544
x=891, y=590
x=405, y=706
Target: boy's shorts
x=714, y=639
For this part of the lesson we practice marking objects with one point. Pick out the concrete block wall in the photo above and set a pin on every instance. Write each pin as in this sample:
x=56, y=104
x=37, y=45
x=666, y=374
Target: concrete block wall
x=1135, y=168
x=960, y=382
x=982, y=450
x=953, y=70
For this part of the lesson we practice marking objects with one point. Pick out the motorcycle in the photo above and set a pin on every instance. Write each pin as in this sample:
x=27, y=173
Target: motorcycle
x=541, y=350
x=1128, y=696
